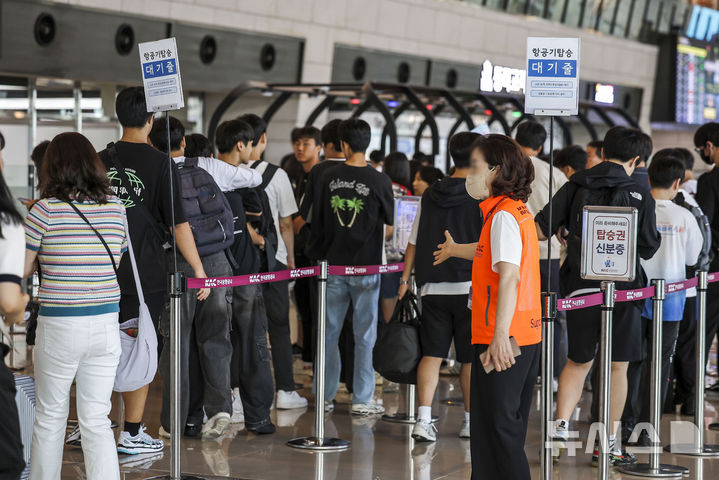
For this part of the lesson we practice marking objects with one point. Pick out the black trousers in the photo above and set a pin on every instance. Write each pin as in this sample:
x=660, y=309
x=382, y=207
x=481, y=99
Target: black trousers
x=11, y=453
x=682, y=375
x=636, y=408
x=499, y=409
x=712, y=323
x=305, y=300
x=250, y=369
x=277, y=305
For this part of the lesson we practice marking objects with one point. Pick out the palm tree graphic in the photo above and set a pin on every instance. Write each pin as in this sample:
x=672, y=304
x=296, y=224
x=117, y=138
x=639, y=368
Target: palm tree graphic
x=338, y=204
x=358, y=205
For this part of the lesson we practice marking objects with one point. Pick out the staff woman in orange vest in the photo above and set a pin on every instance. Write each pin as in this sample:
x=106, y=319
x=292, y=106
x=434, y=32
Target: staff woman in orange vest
x=506, y=310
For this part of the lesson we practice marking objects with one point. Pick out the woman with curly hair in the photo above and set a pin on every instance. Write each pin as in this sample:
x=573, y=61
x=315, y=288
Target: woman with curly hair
x=506, y=310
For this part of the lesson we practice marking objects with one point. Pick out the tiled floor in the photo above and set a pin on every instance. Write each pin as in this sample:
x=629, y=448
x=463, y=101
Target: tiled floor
x=380, y=450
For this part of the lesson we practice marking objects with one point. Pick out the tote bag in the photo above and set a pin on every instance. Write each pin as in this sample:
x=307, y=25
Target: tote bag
x=398, y=351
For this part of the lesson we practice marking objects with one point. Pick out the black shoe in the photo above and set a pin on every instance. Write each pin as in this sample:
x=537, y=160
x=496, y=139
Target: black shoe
x=192, y=430
x=687, y=409
x=626, y=433
x=644, y=440
x=262, y=428
x=296, y=349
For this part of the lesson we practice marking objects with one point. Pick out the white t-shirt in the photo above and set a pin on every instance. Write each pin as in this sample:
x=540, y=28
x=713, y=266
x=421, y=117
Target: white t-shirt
x=540, y=197
x=282, y=203
x=681, y=243
x=505, y=240
x=227, y=177
x=690, y=187
x=12, y=252
x=438, y=288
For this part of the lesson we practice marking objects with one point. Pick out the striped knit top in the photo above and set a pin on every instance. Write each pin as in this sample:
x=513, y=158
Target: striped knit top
x=77, y=276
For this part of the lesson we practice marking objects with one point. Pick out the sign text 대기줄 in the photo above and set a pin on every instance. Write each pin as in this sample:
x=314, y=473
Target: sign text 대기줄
x=161, y=75
x=552, y=79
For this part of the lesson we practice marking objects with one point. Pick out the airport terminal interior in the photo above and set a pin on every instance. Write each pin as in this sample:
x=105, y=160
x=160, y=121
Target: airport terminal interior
x=418, y=72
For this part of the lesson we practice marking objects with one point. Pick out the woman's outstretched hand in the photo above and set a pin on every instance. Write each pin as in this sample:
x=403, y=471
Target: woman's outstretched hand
x=446, y=249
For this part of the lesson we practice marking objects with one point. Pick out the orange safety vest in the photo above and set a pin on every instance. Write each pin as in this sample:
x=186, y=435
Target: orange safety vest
x=526, y=327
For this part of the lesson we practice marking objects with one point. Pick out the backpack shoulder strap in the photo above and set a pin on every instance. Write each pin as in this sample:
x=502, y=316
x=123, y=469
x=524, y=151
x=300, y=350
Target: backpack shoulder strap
x=191, y=162
x=268, y=174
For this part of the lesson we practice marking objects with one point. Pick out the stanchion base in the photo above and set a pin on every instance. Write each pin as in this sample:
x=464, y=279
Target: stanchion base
x=404, y=418
x=645, y=470
x=453, y=401
x=183, y=477
x=714, y=426
x=691, y=450
x=320, y=444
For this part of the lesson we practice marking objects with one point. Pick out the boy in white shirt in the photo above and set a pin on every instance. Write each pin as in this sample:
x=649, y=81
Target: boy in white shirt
x=681, y=244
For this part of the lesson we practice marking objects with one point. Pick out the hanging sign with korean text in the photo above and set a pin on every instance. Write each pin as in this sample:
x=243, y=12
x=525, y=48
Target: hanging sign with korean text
x=609, y=242
x=552, y=86
x=161, y=75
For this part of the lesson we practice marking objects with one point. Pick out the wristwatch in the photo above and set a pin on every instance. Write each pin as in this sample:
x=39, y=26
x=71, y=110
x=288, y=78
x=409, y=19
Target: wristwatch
x=404, y=282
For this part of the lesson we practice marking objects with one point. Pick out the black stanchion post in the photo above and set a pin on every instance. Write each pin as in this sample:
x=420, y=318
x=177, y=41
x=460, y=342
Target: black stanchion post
x=605, y=379
x=549, y=313
x=654, y=469
x=699, y=448
x=319, y=441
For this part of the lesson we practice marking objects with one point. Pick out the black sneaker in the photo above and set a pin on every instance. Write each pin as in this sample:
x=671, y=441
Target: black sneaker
x=263, y=428
x=192, y=430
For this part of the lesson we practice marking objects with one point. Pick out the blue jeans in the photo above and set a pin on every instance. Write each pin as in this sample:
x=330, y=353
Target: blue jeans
x=363, y=292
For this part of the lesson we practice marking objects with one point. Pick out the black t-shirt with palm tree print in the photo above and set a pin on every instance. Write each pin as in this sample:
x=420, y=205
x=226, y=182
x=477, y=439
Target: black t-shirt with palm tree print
x=355, y=204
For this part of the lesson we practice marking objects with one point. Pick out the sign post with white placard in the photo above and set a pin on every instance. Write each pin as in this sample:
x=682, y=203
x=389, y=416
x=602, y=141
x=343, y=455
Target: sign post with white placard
x=160, y=69
x=552, y=76
x=609, y=244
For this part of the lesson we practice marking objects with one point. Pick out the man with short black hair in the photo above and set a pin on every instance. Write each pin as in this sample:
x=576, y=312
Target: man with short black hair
x=282, y=202
x=594, y=153
x=706, y=142
x=641, y=173
x=608, y=183
x=570, y=160
x=355, y=204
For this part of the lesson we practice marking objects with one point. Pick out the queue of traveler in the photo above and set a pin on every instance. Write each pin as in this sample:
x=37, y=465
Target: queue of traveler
x=479, y=248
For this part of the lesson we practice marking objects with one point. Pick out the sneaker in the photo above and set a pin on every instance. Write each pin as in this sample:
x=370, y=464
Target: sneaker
x=616, y=458
x=216, y=426
x=290, y=400
x=140, y=443
x=371, y=408
x=192, y=430
x=559, y=438
x=163, y=433
x=263, y=428
x=73, y=439
x=238, y=412
x=464, y=431
x=424, y=431
x=329, y=407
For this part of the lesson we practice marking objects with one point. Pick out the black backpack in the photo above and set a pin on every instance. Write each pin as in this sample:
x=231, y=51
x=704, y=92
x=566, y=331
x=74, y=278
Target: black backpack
x=206, y=209
x=706, y=255
x=265, y=225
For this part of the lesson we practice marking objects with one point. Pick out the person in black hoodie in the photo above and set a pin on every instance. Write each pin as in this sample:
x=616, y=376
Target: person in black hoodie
x=608, y=183
x=445, y=206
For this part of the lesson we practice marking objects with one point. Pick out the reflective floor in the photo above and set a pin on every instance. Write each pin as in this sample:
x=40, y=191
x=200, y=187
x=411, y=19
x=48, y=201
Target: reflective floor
x=379, y=451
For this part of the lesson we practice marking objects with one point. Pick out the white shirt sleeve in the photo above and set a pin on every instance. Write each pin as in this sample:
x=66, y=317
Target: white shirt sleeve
x=228, y=177
x=695, y=240
x=286, y=203
x=12, y=252
x=506, y=240
x=415, y=225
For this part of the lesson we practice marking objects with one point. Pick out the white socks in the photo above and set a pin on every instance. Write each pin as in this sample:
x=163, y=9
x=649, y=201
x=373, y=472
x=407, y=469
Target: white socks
x=425, y=413
x=466, y=416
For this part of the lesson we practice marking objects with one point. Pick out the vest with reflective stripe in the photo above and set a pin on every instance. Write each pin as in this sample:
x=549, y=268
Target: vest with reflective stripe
x=526, y=326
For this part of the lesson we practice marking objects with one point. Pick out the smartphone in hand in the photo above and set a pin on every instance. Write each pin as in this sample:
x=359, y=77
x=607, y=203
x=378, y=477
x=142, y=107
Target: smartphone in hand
x=515, y=352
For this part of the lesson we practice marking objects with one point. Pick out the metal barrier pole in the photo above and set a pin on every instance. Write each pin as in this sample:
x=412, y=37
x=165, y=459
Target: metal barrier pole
x=699, y=448
x=318, y=441
x=654, y=468
x=177, y=283
x=605, y=366
x=549, y=313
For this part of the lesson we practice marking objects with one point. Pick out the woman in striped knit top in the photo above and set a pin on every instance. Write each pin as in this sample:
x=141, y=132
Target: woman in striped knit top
x=76, y=235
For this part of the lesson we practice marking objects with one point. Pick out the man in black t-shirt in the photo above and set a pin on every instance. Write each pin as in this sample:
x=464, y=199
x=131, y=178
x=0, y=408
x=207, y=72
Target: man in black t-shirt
x=355, y=204
x=147, y=173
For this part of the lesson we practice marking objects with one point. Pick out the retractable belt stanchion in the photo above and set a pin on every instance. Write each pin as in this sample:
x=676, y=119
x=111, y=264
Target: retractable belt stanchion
x=654, y=468
x=549, y=313
x=605, y=366
x=319, y=442
x=699, y=448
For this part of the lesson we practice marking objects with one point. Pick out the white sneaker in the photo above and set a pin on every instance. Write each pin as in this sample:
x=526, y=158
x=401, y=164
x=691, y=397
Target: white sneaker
x=371, y=408
x=216, y=426
x=424, y=431
x=140, y=443
x=238, y=412
x=290, y=400
x=464, y=432
x=329, y=407
x=163, y=433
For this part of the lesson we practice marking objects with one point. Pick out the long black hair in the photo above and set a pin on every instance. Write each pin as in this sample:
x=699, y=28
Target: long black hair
x=396, y=167
x=8, y=212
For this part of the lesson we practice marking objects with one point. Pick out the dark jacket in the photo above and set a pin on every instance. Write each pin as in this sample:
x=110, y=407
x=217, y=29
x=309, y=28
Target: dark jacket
x=566, y=210
x=708, y=199
x=446, y=205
